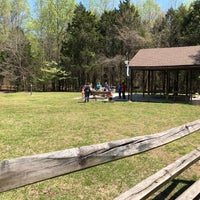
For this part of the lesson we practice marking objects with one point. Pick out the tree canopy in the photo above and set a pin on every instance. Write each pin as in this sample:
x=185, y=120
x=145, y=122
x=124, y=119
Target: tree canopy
x=59, y=45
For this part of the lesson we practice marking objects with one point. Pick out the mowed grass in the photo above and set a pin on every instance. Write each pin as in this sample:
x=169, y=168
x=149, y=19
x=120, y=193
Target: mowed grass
x=47, y=122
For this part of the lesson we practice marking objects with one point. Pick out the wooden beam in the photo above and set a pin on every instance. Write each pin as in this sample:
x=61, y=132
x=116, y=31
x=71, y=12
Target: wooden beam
x=186, y=83
x=191, y=192
x=167, y=84
x=132, y=74
x=147, y=187
x=164, y=83
x=149, y=82
x=143, y=82
x=22, y=171
x=190, y=87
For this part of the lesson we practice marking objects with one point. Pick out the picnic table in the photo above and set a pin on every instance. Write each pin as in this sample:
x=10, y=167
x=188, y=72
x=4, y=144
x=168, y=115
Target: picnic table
x=102, y=94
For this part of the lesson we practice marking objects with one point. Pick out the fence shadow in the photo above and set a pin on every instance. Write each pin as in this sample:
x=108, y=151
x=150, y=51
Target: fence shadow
x=169, y=190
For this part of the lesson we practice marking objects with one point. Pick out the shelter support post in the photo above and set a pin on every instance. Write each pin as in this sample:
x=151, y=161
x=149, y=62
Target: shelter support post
x=152, y=81
x=190, y=85
x=149, y=83
x=175, y=86
x=187, y=83
x=167, y=84
x=163, y=82
x=143, y=82
x=131, y=84
x=187, y=86
x=128, y=85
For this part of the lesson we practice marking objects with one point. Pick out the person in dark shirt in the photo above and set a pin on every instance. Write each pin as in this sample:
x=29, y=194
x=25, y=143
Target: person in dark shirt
x=87, y=91
x=120, y=91
x=123, y=90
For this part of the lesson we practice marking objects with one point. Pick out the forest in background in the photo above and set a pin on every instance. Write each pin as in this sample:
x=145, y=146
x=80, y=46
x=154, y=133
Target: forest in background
x=59, y=45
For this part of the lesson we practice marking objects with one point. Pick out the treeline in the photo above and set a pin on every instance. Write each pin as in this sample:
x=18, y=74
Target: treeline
x=62, y=45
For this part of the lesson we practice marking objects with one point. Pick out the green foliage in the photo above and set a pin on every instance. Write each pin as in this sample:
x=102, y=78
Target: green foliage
x=52, y=73
x=15, y=53
x=150, y=11
x=192, y=24
x=180, y=27
x=89, y=43
x=108, y=44
x=81, y=44
x=128, y=28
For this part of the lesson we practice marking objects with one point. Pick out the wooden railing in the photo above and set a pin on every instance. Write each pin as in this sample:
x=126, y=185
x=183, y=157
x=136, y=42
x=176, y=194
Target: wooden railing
x=27, y=170
x=147, y=187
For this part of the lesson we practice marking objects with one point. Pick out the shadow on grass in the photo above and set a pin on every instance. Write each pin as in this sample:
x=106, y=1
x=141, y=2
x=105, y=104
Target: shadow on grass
x=169, y=190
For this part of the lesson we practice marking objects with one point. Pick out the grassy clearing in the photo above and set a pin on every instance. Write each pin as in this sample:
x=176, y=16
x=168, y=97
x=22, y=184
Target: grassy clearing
x=46, y=122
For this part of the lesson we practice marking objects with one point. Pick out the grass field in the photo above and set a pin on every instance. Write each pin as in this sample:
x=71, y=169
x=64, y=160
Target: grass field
x=47, y=122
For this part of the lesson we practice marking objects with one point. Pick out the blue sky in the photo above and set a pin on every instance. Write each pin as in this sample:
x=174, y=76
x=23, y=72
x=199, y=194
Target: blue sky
x=164, y=4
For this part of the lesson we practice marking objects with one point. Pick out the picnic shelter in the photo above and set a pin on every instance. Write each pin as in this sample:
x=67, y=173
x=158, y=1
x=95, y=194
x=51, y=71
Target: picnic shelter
x=171, y=72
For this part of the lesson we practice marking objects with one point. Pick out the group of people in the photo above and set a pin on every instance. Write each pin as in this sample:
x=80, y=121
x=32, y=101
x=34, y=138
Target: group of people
x=99, y=87
x=87, y=90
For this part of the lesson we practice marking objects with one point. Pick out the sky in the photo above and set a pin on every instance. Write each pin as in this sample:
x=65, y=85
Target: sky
x=164, y=4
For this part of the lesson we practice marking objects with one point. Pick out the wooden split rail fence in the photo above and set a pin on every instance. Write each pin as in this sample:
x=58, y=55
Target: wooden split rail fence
x=27, y=170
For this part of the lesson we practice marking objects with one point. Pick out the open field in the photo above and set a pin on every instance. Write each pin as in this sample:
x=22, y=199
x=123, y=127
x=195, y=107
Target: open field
x=46, y=122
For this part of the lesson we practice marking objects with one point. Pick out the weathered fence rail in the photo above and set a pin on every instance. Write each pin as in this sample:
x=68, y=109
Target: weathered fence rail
x=23, y=171
x=191, y=192
x=147, y=187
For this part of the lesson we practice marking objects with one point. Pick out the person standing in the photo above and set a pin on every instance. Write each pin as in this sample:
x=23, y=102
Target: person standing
x=87, y=91
x=120, y=91
x=123, y=90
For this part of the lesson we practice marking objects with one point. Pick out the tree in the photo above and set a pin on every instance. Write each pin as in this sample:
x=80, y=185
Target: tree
x=15, y=48
x=50, y=74
x=160, y=33
x=80, y=46
x=99, y=6
x=150, y=11
x=121, y=33
x=5, y=7
x=129, y=28
x=108, y=44
x=52, y=19
x=192, y=24
x=49, y=25
x=169, y=31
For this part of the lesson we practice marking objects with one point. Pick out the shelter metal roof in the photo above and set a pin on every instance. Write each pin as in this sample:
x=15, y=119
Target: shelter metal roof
x=167, y=58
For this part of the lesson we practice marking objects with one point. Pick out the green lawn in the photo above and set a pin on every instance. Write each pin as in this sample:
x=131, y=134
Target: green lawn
x=47, y=122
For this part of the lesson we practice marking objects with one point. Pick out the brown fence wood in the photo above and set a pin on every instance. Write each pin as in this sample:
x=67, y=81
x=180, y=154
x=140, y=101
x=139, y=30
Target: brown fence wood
x=191, y=193
x=148, y=186
x=22, y=171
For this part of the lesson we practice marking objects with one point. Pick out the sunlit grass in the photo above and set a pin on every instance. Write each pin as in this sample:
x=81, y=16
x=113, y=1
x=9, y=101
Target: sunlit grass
x=46, y=122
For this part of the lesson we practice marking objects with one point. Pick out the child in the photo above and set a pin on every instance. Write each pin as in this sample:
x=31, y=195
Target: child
x=83, y=92
x=87, y=91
